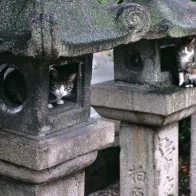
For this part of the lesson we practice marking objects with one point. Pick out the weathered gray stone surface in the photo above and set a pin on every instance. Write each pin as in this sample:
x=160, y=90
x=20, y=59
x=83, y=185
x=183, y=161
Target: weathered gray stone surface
x=139, y=62
x=143, y=94
x=33, y=117
x=50, y=174
x=146, y=62
x=64, y=28
x=136, y=98
x=49, y=165
x=47, y=151
x=148, y=160
x=72, y=186
x=170, y=18
x=144, y=118
x=149, y=155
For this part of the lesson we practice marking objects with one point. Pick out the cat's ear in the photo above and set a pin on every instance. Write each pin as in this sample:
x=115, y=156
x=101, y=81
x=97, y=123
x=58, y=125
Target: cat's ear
x=54, y=74
x=191, y=44
x=192, y=41
x=72, y=77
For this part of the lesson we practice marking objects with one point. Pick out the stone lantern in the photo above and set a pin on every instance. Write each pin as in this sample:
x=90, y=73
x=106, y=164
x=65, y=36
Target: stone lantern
x=44, y=150
x=146, y=98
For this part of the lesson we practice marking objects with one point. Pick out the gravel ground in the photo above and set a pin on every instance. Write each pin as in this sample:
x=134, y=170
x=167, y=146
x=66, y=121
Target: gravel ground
x=184, y=168
x=114, y=190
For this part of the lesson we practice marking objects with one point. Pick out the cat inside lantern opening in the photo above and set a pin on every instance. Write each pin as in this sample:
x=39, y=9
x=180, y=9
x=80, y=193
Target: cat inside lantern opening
x=186, y=64
x=60, y=87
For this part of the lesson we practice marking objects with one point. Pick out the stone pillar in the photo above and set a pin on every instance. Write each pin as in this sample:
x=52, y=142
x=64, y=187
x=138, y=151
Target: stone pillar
x=149, y=109
x=149, y=160
x=51, y=165
x=193, y=156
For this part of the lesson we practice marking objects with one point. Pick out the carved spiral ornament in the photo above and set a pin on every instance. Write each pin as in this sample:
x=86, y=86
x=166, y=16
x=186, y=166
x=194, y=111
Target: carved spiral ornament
x=135, y=19
x=131, y=19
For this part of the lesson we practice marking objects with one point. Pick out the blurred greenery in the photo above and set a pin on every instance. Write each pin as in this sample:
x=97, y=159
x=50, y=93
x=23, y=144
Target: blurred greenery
x=184, y=137
x=184, y=155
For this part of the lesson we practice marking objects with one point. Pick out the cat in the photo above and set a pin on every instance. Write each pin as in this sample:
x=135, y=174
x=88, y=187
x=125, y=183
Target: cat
x=59, y=87
x=15, y=88
x=190, y=76
x=186, y=64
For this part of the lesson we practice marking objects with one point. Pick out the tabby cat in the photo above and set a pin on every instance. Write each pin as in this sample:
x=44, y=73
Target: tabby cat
x=186, y=64
x=59, y=87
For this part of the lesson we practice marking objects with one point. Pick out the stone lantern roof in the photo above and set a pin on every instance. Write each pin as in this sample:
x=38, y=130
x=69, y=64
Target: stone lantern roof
x=170, y=18
x=49, y=29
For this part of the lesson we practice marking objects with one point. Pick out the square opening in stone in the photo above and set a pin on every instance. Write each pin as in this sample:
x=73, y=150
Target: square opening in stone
x=65, y=84
x=168, y=57
x=169, y=61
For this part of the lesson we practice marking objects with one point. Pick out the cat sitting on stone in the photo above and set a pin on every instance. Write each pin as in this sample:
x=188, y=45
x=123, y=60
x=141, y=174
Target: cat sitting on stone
x=59, y=87
x=187, y=64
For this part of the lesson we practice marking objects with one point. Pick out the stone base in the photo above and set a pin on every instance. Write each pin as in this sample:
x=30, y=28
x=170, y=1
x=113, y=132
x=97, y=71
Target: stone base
x=149, y=160
x=143, y=105
x=50, y=165
x=72, y=186
x=50, y=174
x=44, y=152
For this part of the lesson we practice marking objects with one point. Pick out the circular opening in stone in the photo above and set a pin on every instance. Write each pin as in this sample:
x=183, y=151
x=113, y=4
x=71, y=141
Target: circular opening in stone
x=134, y=61
x=13, y=86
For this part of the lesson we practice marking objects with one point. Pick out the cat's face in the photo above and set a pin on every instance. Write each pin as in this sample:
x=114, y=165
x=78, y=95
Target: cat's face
x=61, y=91
x=61, y=87
x=65, y=87
x=188, y=49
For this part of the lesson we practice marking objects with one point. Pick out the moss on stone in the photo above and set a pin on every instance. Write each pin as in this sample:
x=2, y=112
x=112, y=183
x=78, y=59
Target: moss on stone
x=60, y=27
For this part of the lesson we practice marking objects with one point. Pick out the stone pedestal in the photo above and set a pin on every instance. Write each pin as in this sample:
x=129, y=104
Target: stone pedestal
x=51, y=165
x=72, y=186
x=148, y=133
x=149, y=160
